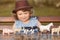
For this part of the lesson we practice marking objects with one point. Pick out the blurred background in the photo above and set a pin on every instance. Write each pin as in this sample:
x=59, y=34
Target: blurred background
x=40, y=7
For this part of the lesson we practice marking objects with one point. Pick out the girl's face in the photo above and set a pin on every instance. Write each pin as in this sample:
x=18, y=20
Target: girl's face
x=23, y=15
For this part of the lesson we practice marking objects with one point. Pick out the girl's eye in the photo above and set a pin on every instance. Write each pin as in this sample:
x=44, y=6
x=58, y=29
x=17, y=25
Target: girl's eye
x=25, y=13
x=20, y=14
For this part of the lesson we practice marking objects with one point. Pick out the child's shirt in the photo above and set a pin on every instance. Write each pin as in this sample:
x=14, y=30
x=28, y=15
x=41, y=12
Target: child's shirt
x=33, y=22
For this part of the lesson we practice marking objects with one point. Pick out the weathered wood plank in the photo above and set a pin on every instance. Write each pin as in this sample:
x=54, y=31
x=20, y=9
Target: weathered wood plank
x=41, y=19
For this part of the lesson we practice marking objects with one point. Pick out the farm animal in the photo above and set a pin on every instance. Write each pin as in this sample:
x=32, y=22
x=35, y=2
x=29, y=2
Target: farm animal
x=55, y=30
x=46, y=27
x=8, y=31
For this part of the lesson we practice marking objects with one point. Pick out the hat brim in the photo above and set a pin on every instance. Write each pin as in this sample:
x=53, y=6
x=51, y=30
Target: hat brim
x=26, y=7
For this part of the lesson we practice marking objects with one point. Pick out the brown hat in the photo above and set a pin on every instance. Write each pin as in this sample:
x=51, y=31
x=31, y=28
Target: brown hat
x=21, y=4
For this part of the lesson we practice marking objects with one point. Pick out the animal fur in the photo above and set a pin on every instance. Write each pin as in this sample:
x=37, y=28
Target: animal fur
x=8, y=31
x=46, y=27
x=55, y=30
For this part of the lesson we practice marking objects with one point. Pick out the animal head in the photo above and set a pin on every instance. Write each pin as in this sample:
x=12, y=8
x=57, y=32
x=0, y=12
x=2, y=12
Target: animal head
x=50, y=24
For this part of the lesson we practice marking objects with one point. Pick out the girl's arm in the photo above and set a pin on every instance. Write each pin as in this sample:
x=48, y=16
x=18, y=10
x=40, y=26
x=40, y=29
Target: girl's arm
x=38, y=25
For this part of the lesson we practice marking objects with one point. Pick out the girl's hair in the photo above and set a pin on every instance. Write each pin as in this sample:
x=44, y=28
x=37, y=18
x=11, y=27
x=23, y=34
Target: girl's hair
x=15, y=14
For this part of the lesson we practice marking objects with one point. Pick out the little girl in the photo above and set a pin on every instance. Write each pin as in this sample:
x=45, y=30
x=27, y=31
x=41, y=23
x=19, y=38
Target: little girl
x=23, y=16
